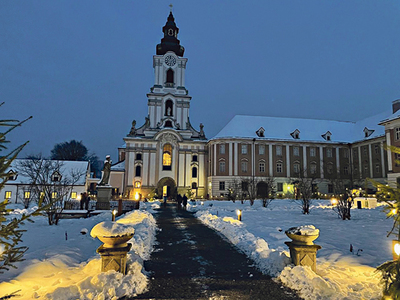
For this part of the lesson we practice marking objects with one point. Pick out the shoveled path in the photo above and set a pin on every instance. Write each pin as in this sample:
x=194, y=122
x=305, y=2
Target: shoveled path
x=192, y=261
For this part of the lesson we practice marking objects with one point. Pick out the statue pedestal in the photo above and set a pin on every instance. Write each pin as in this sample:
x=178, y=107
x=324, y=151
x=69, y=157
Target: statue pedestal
x=103, y=197
x=114, y=258
x=304, y=255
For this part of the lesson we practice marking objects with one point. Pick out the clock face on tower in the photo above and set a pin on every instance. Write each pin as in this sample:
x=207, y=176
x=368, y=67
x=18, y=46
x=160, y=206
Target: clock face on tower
x=170, y=60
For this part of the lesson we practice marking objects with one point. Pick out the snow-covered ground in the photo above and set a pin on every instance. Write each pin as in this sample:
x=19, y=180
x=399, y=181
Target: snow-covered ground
x=62, y=263
x=341, y=274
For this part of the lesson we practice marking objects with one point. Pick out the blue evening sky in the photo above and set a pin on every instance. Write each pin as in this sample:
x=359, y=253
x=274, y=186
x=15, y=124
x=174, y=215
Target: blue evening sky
x=83, y=68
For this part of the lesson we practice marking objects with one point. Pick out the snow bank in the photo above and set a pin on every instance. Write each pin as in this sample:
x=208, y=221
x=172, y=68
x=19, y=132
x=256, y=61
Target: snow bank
x=111, y=229
x=65, y=276
x=340, y=274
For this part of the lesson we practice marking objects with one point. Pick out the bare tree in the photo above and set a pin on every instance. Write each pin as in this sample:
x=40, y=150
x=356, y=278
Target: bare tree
x=234, y=188
x=304, y=190
x=48, y=186
x=266, y=190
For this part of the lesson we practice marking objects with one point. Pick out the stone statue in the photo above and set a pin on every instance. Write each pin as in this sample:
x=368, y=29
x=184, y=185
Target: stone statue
x=159, y=125
x=147, y=122
x=201, y=130
x=169, y=111
x=133, y=129
x=105, y=174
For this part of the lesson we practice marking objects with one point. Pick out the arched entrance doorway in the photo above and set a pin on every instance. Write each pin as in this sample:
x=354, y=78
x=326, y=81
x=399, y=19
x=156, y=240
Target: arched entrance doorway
x=262, y=190
x=167, y=187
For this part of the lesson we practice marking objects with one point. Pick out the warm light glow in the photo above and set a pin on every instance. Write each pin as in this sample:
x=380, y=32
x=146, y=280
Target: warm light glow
x=239, y=212
x=334, y=201
x=394, y=211
x=202, y=203
x=136, y=196
x=397, y=248
x=114, y=212
x=79, y=197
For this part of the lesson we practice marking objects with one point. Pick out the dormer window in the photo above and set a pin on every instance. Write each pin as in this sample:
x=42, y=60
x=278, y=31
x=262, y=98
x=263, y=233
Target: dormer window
x=260, y=132
x=56, y=177
x=327, y=136
x=12, y=175
x=295, y=134
x=368, y=132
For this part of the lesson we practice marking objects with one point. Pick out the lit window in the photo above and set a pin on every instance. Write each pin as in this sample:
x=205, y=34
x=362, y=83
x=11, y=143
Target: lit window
x=328, y=152
x=53, y=195
x=73, y=195
x=397, y=133
x=278, y=150
x=261, y=149
x=244, y=149
x=244, y=166
x=296, y=151
x=296, y=168
x=262, y=167
x=7, y=195
x=222, y=149
x=222, y=185
x=222, y=166
x=167, y=157
x=279, y=167
x=312, y=151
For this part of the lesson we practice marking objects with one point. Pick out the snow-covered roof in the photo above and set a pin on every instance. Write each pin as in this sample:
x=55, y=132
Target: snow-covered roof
x=66, y=168
x=391, y=117
x=119, y=166
x=310, y=129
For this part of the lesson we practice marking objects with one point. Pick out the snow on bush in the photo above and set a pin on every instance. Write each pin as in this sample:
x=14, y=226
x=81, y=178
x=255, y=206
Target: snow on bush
x=62, y=274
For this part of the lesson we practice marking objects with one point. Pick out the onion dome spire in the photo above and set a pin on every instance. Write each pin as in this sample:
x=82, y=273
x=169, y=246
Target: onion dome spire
x=170, y=40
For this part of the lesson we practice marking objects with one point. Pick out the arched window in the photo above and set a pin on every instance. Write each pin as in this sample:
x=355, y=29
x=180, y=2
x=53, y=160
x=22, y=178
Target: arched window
x=138, y=171
x=167, y=157
x=194, y=172
x=194, y=185
x=194, y=158
x=139, y=156
x=170, y=77
x=168, y=124
x=169, y=105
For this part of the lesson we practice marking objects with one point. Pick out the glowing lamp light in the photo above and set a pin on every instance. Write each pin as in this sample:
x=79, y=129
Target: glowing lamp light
x=114, y=213
x=334, y=201
x=202, y=203
x=79, y=197
x=239, y=214
x=137, y=196
x=396, y=249
x=394, y=211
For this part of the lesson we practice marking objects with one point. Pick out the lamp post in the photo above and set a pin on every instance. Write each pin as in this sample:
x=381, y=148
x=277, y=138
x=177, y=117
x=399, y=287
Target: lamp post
x=114, y=212
x=239, y=214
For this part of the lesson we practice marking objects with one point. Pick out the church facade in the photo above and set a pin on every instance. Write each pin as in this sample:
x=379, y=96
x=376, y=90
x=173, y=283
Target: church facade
x=168, y=155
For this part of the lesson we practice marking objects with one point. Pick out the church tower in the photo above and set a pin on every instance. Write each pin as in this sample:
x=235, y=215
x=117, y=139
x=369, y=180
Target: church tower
x=166, y=153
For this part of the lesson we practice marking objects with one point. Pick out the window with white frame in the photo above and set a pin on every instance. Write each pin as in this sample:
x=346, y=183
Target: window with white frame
x=377, y=168
x=365, y=150
x=296, y=151
x=244, y=166
x=7, y=195
x=53, y=195
x=261, y=149
x=312, y=151
x=313, y=168
x=279, y=167
x=221, y=166
x=244, y=149
x=278, y=150
x=397, y=133
x=262, y=167
x=222, y=149
x=328, y=152
x=222, y=185
x=346, y=170
x=376, y=149
x=329, y=169
x=346, y=153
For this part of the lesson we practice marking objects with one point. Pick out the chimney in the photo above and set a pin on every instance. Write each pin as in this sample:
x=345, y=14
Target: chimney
x=396, y=105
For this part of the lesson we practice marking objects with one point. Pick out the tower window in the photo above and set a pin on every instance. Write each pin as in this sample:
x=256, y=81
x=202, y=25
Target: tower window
x=169, y=105
x=139, y=156
x=170, y=78
x=167, y=157
x=194, y=172
x=168, y=124
x=138, y=171
x=194, y=158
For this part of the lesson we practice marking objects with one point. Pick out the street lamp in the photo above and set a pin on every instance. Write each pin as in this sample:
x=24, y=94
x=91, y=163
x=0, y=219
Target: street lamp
x=239, y=214
x=114, y=212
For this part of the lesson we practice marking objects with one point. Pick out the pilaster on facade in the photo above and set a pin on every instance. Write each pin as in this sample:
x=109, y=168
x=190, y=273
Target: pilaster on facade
x=360, y=162
x=230, y=159
x=236, y=161
x=287, y=161
x=270, y=154
x=371, y=170
x=337, y=150
x=389, y=152
x=383, y=160
x=321, y=159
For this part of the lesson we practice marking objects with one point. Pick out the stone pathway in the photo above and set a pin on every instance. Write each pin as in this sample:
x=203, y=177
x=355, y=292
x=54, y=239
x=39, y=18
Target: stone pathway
x=192, y=261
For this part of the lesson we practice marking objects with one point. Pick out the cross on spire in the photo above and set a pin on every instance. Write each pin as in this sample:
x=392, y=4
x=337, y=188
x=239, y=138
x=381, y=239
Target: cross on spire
x=170, y=7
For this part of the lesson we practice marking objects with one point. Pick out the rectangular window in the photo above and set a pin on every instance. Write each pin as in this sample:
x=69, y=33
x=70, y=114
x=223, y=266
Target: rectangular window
x=244, y=149
x=366, y=170
x=376, y=149
x=296, y=168
x=279, y=187
x=7, y=195
x=296, y=151
x=328, y=152
x=346, y=170
x=378, y=168
x=355, y=153
x=346, y=153
x=312, y=151
x=244, y=166
x=365, y=150
x=279, y=167
x=53, y=195
x=222, y=166
x=278, y=150
x=397, y=134
x=222, y=185
x=27, y=195
x=397, y=159
x=262, y=167
x=245, y=186
x=330, y=188
x=261, y=149
x=313, y=168
x=329, y=168
x=222, y=149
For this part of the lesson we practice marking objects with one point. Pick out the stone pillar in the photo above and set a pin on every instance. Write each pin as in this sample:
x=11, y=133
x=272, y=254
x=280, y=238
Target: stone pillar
x=103, y=197
x=114, y=258
x=304, y=255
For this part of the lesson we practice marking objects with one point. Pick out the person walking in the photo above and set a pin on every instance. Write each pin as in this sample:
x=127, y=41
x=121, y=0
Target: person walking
x=184, y=201
x=179, y=200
